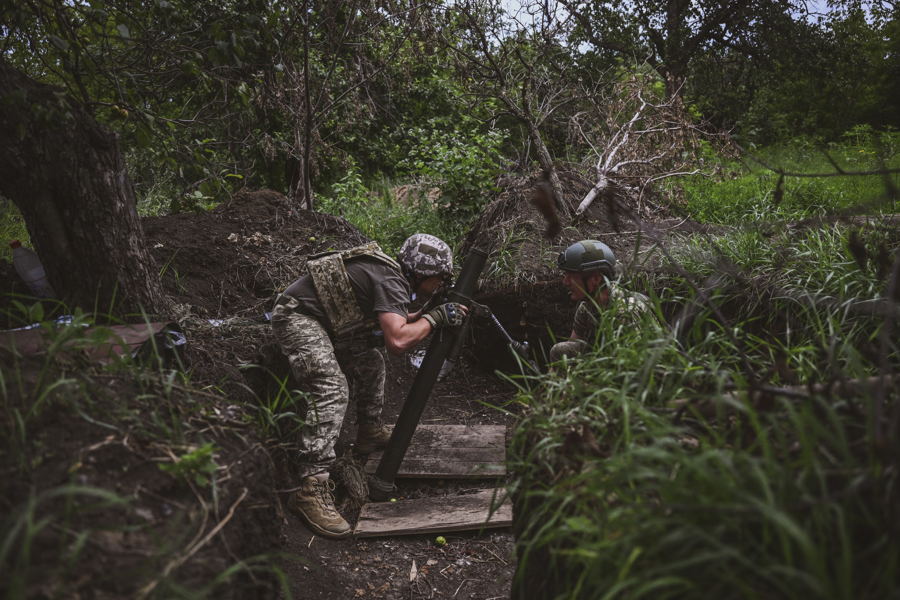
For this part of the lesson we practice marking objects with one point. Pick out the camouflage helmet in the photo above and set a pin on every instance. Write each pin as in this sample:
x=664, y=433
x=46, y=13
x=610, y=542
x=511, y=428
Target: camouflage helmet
x=424, y=255
x=586, y=255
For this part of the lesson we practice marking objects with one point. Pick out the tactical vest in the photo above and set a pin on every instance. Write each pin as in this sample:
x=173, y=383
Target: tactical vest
x=335, y=293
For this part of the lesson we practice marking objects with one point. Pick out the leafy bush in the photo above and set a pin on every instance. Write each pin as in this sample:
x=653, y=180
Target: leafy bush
x=378, y=215
x=463, y=163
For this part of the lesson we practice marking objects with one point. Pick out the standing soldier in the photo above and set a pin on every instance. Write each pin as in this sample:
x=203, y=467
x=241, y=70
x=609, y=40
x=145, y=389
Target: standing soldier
x=590, y=267
x=326, y=323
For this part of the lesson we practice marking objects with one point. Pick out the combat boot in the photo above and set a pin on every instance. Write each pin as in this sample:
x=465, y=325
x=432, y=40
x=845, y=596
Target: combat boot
x=372, y=436
x=314, y=503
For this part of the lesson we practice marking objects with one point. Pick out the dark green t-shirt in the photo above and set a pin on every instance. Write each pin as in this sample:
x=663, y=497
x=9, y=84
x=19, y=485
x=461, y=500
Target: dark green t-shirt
x=378, y=288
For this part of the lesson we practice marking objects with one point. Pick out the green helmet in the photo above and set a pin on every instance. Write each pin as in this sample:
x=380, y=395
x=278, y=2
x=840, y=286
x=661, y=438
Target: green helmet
x=586, y=255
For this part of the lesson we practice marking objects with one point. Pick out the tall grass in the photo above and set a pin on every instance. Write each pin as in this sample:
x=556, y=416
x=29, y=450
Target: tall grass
x=748, y=189
x=698, y=461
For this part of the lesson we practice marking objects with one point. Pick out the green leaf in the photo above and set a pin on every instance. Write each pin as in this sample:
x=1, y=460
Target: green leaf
x=60, y=44
x=22, y=131
x=123, y=31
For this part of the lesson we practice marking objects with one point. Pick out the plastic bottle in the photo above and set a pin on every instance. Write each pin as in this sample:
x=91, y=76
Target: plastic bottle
x=31, y=270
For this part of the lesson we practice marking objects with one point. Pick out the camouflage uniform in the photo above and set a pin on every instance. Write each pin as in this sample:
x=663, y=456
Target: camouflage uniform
x=325, y=373
x=628, y=306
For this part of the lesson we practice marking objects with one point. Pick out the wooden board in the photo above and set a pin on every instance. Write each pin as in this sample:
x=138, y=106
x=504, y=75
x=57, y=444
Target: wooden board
x=447, y=513
x=452, y=451
x=120, y=340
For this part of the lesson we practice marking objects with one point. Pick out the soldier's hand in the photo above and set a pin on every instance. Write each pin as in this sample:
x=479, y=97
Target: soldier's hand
x=446, y=315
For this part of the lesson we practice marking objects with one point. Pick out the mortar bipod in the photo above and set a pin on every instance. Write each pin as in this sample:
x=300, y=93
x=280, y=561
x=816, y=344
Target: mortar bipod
x=520, y=348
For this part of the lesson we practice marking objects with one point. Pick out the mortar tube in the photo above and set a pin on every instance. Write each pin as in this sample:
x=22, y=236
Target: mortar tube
x=381, y=484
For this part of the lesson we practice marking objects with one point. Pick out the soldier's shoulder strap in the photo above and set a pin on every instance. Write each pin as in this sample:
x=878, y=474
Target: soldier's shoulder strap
x=333, y=288
x=373, y=250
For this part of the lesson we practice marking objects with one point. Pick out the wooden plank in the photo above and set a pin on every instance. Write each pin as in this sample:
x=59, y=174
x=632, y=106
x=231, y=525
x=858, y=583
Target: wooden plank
x=120, y=340
x=458, y=436
x=447, y=513
x=452, y=451
x=438, y=469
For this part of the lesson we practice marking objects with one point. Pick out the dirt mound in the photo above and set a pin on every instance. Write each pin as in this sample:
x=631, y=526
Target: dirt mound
x=230, y=261
x=521, y=282
x=512, y=230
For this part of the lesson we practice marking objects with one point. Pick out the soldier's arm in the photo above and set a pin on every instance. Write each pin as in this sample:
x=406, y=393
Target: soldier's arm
x=399, y=334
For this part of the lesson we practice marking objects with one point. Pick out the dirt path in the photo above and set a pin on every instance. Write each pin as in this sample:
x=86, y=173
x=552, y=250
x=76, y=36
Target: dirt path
x=468, y=566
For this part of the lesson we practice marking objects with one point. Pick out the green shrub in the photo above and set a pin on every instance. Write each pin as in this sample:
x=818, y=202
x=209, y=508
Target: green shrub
x=12, y=227
x=463, y=163
x=378, y=215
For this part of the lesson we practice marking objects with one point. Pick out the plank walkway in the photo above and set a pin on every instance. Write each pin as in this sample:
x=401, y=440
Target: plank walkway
x=441, y=514
x=452, y=452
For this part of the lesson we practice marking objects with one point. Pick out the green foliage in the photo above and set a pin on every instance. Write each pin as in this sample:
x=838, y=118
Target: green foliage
x=463, y=163
x=172, y=77
x=12, y=227
x=818, y=81
x=280, y=412
x=197, y=465
x=632, y=490
x=379, y=216
x=748, y=189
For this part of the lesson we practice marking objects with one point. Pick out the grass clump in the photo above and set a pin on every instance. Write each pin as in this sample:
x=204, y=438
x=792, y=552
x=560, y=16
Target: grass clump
x=744, y=452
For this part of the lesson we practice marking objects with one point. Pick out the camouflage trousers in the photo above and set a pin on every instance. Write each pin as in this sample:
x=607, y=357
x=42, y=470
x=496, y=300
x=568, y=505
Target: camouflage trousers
x=331, y=378
x=569, y=349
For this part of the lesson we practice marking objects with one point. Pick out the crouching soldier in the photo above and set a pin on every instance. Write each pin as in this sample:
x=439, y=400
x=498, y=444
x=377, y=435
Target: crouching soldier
x=590, y=267
x=326, y=324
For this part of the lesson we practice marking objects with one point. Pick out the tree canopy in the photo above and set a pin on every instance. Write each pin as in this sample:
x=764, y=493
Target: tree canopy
x=207, y=98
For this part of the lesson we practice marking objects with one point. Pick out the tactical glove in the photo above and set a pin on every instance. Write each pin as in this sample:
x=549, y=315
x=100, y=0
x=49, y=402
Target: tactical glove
x=445, y=315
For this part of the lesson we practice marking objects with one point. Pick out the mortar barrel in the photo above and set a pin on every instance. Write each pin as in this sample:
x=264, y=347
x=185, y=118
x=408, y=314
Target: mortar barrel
x=442, y=342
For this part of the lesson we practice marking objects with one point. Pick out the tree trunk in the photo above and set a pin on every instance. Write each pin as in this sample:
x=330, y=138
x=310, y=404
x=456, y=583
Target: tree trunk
x=559, y=197
x=66, y=174
x=297, y=180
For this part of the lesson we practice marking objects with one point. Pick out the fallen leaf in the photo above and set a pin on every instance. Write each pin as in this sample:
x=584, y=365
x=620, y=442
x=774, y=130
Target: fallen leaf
x=360, y=593
x=413, y=572
x=431, y=562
